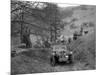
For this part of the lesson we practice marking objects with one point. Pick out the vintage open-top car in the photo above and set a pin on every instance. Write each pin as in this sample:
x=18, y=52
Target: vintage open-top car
x=60, y=53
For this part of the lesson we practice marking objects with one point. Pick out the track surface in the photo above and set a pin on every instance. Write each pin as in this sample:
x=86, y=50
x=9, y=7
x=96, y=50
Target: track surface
x=35, y=61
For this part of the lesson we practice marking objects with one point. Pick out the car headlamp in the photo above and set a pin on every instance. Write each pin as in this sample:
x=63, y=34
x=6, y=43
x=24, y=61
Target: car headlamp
x=66, y=56
x=71, y=52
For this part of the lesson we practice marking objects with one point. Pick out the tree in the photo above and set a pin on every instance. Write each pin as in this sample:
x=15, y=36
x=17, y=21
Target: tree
x=45, y=13
x=54, y=19
x=18, y=11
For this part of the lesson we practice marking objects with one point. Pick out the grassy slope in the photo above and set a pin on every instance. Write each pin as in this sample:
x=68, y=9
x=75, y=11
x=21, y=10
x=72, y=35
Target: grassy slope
x=84, y=47
x=84, y=50
x=81, y=14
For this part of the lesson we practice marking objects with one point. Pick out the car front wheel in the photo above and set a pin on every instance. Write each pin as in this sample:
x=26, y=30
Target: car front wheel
x=53, y=61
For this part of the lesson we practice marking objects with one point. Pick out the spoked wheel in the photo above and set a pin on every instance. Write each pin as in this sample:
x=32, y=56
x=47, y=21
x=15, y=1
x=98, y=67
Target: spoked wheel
x=53, y=61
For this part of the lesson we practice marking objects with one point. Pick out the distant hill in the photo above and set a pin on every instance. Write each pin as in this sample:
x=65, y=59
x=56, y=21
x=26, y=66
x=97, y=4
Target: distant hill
x=74, y=17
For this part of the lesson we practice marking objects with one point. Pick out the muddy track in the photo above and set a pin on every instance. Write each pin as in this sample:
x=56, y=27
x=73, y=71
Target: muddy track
x=38, y=61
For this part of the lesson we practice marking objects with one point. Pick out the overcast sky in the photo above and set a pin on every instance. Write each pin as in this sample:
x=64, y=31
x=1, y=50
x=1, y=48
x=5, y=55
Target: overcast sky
x=66, y=5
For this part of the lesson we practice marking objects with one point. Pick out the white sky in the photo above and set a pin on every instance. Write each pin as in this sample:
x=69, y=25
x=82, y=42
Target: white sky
x=66, y=5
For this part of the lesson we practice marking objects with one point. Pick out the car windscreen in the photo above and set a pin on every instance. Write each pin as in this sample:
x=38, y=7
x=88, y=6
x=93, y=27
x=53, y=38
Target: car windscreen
x=59, y=48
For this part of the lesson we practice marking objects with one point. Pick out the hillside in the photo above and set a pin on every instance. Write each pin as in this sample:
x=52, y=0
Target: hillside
x=84, y=49
x=74, y=17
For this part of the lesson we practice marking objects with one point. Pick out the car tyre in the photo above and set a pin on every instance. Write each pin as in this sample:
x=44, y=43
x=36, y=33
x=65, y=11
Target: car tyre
x=70, y=59
x=53, y=61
